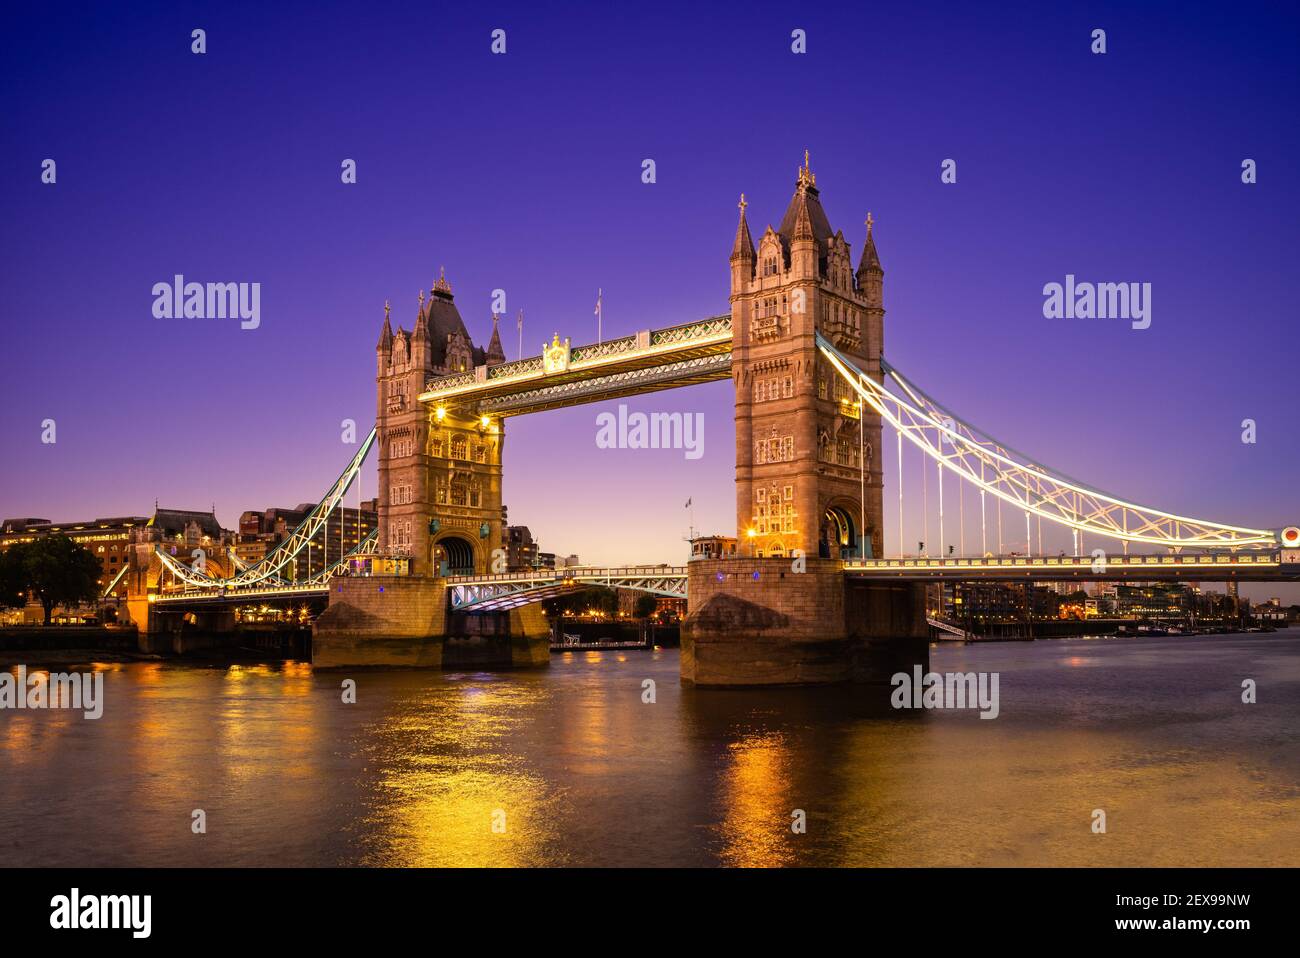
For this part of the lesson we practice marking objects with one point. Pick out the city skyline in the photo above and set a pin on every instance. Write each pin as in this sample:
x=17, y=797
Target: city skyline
x=192, y=412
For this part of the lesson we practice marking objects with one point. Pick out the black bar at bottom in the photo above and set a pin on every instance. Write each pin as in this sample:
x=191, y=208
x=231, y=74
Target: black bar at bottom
x=210, y=907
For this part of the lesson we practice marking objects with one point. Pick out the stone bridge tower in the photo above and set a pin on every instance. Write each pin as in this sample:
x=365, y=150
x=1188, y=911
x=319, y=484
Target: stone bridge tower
x=807, y=459
x=801, y=435
x=439, y=469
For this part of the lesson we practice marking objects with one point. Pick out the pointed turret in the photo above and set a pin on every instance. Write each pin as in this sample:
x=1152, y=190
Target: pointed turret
x=871, y=278
x=870, y=262
x=386, y=335
x=421, y=319
x=743, y=248
x=803, y=229
x=495, y=354
x=742, y=253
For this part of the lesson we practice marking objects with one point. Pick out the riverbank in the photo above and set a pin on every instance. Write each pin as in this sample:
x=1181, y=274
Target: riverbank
x=79, y=645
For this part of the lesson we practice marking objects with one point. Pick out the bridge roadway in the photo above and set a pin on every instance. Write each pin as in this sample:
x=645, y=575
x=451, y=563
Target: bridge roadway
x=1270, y=566
x=502, y=591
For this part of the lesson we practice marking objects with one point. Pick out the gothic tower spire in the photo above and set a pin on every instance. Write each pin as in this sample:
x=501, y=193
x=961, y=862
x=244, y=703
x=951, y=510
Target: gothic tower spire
x=386, y=335
x=743, y=248
x=495, y=354
x=870, y=261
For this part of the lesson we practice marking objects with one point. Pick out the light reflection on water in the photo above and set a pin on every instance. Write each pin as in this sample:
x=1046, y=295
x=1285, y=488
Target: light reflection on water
x=585, y=773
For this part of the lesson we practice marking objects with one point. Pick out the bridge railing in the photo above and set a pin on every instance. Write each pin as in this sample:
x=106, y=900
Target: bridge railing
x=240, y=592
x=572, y=572
x=1067, y=562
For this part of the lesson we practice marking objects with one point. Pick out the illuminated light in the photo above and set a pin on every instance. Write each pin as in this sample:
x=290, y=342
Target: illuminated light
x=440, y=413
x=751, y=533
x=879, y=396
x=486, y=421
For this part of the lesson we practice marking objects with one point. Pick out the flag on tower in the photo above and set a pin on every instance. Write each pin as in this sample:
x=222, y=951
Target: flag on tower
x=688, y=503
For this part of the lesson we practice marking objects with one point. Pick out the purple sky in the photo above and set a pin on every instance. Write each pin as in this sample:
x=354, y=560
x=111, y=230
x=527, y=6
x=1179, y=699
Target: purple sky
x=522, y=172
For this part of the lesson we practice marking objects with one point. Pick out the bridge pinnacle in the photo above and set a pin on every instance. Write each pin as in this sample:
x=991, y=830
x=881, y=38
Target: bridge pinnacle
x=743, y=248
x=806, y=177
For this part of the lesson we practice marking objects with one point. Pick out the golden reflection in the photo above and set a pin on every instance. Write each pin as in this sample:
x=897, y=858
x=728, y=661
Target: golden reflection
x=447, y=793
x=756, y=803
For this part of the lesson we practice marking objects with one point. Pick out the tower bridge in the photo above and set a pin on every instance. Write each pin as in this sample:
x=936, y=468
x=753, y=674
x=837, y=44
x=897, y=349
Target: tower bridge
x=814, y=598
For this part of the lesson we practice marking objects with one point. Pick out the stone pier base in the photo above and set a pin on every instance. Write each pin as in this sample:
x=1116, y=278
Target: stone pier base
x=403, y=622
x=758, y=622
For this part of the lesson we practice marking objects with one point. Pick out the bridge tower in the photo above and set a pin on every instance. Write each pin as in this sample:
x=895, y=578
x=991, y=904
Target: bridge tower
x=809, y=489
x=439, y=472
x=800, y=432
x=439, y=503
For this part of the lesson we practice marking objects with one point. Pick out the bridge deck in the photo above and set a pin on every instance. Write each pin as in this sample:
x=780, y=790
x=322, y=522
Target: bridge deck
x=1259, y=566
x=494, y=592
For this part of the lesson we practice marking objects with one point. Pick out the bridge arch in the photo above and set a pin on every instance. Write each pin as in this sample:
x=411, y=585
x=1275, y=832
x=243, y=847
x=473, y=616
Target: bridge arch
x=456, y=551
x=838, y=533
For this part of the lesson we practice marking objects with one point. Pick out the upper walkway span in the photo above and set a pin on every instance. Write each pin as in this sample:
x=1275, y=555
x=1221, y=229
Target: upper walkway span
x=647, y=361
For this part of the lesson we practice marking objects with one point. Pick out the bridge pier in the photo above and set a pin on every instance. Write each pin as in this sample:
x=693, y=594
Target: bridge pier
x=754, y=622
x=404, y=622
x=178, y=631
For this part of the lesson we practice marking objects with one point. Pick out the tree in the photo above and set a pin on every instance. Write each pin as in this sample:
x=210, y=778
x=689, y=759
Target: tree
x=59, y=572
x=645, y=606
x=13, y=590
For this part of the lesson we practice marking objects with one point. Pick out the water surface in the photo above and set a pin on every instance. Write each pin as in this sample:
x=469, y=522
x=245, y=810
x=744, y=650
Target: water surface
x=1153, y=731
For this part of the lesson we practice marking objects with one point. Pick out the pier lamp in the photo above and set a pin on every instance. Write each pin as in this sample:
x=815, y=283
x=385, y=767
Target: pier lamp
x=750, y=533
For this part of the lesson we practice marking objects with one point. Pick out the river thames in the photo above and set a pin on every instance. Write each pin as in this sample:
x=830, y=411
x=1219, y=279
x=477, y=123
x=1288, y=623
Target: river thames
x=569, y=766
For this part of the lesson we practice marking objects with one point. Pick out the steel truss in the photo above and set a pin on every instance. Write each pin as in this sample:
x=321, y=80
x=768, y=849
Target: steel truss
x=613, y=385
x=510, y=590
x=271, y=588
x=995, y=468
x=269, y=566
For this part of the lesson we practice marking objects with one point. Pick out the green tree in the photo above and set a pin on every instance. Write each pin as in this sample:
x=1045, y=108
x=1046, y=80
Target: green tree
x=13, y=590
x=59, y=572
x=645, y=606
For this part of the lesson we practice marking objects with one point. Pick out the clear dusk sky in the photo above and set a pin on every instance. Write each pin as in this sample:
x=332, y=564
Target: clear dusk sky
x=523, y=172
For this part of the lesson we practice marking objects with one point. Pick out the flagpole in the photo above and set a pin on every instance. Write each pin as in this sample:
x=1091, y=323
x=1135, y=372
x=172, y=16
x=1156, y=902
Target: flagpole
x=599, y=316
x=521, y=334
